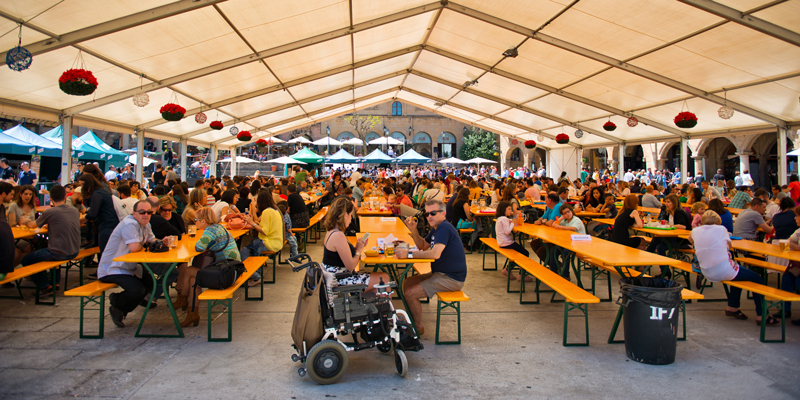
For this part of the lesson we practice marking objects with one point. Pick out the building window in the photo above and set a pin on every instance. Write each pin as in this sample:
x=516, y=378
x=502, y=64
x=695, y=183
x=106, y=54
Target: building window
x=397, y=108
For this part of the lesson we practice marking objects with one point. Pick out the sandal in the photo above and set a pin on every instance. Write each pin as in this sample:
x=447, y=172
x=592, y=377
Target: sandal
x=770, y=321
x=735, y=314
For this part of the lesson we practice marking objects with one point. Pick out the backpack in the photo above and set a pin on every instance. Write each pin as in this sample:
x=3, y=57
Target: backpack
x=219, y=275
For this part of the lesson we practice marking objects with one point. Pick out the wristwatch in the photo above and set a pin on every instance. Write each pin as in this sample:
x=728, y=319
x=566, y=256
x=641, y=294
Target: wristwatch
x=410, y=255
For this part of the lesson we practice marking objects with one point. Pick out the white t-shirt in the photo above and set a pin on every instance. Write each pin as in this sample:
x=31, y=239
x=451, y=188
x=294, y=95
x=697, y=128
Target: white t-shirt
x=128, y=204
x=110, y=175
x=711, y=249
x=217, y=208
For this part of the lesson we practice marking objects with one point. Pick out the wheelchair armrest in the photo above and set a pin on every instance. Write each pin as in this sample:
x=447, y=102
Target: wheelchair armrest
x=349, y=288
x=342, y=275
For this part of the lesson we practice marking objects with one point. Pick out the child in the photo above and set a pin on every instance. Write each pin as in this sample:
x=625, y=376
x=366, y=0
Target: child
x=504, y=228
x=698, y=208
x=287, y=224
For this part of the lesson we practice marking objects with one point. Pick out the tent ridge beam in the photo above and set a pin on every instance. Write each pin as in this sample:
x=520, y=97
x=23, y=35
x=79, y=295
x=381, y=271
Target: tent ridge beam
x=739, y=17
x=109, y=27
x=324, y=37
x=564, y=45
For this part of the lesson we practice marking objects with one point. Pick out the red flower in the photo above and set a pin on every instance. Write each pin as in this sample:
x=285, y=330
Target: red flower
x=609, y=126
x=530, y=144
x=244, y=136
x=261, y=142
x=215, y=125
x=685, y=116
x=82, y=75
x=172, y=109
x=562, y=138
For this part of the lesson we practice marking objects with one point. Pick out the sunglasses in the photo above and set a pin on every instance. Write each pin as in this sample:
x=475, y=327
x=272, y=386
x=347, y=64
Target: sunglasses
x=432, y=213
x=166, y=210
x=143, y=212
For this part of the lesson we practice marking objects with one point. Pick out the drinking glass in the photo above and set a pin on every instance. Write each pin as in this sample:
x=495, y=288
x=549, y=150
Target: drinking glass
x=192, y=230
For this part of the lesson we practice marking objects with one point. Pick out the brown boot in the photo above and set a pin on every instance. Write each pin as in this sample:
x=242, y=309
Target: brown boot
x=181, y=302
x=192, y=318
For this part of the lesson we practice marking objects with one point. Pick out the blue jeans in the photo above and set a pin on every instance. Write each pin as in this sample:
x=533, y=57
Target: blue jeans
x=253, y=249
x=788, y=283
x=292, y=245
x=735, y=294
x=41, y=279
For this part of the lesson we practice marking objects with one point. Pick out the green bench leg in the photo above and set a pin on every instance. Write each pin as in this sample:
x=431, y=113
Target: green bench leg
x=683, y=316
x=614, y=328
x=584, y=308
x=228, y=305
x=523, y=274
x=19, y=291
x=765, y=307
x=260, y=297
x=510, y=266
x=483, y=250
x=441, y=305
x=101, y=302
x=52, y=302
x=274, y=263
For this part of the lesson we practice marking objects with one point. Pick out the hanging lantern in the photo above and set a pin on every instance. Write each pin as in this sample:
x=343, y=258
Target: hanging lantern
x=633, y=121
x=200, y=118
x=725, y=112
x=234, y=130
x=514, y=142
x=141, y=99
x=19, y=58
x=578, y=134
x=540, y=138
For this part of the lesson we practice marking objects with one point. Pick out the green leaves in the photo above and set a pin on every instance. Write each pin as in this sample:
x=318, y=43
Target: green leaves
x=479, y=143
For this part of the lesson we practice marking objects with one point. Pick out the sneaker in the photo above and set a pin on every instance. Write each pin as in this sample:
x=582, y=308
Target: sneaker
x=796, y=322
x=116, y=316
x=528, y=278
x=253, y=282
x=505, y=273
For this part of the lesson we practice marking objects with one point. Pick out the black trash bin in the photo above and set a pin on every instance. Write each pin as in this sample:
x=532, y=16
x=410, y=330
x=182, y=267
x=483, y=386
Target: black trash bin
x=650, y=318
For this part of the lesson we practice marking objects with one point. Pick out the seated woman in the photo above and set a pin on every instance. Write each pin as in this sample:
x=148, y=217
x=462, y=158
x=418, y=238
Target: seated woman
x=595, y=199
x=22, y=206
x=784, y=221
x=712, y=246
x=226, y=204
x=463, y=216
x=595, y=228
x=718, y=207
x=197, y=200
x=504, y=228
x=269, y=224
x=339, y=255
x=474, y=190
x=676, y=217
x=628, y=218
x=219, y=243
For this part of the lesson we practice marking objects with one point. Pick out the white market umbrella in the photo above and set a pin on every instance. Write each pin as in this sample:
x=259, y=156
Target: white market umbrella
x=275, y=140
x=354, y=142
x=285, y=160
x=145, y=160
x=794, y=153
x=299, y=139
x=478, y=160
x=452, y=160
x=239, y=160
x=326, y=141
x=388, y=140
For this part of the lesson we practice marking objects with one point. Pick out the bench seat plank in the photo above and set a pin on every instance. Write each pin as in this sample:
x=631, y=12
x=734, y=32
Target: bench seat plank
x=571, y=292
x=33, y=269
x=90, y=289
x=252, y=264
x=761, y=264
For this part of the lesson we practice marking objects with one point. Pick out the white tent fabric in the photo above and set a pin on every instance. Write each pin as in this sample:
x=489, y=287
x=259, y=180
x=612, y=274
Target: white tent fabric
x=285, y=160
x=326, y=141
x=794, y=153
x=479, y=160
x=451, y=160
x=145, y=160
x=239, y=160
x=353, y=142
x=299, y=139
x=273, y=66
x=388, y=140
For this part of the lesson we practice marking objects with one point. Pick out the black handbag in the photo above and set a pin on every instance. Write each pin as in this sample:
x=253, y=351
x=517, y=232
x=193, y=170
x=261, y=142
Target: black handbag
x=219, y=275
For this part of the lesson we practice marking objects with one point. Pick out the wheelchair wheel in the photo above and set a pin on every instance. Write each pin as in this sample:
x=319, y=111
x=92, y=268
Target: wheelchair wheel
x=386, y=348
x=327, y=362
x=401, y=362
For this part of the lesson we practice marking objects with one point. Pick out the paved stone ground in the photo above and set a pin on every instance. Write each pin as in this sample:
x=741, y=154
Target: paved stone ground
x=508, y=351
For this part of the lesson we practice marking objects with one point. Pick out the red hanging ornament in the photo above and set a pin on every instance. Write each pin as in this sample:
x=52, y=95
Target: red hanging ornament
x=215, y=125
x=530, y=144
x=200, y=118
x=633, y=121
x=514, y=142
x=562, y=138
x=244, y=136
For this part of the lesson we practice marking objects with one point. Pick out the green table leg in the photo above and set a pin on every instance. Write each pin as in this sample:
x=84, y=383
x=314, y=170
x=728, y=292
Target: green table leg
x=228, y=306
x=165, y=286
x=614, y=328
x=100, y=301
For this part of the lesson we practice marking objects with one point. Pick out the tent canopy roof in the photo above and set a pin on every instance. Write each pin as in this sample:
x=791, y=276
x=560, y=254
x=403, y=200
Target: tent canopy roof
x=272, y=66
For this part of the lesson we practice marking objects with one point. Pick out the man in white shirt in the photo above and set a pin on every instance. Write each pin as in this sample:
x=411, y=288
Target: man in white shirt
x=628, y=176
x=111, y=173
x=127, y=201
x=354, y=177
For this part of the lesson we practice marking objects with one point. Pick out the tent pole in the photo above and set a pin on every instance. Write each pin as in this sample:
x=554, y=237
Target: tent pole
x=213, y=168
x=782, y=161
x=66, y=149
x=233, y=161
x=139, y=168
x=684, y=159
x=185, y=156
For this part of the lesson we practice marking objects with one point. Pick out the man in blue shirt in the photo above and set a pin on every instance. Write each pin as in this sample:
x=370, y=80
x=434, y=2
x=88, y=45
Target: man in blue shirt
x=27, y=177
x=449, y=268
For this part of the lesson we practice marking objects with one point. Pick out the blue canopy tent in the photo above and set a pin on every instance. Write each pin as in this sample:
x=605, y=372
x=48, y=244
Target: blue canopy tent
x=43, y=146
x=80, y=149
x=113, y=155
x=12, y=145
x=376, y=157
x=341, y=157
x=412, y=157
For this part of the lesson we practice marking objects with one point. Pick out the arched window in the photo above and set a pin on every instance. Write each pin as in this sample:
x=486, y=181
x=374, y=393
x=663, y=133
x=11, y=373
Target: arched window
x=397, y=108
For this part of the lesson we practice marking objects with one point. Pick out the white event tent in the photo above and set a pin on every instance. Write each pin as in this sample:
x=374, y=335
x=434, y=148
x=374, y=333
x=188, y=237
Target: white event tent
x=523, y=69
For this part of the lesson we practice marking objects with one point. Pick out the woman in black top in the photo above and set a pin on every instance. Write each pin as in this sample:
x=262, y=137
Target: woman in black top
x=166, y=222
x=298, y=212
x=463, y=216
x=244, y=198
x=784, y=222
x=676, y=216
x=626, y=219
x=101, y=208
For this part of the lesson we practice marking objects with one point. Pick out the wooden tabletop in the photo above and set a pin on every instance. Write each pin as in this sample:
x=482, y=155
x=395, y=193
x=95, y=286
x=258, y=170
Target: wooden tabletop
x=378, y=225
x=649, y=209
x=604, y=251
x=487, y=212
x=23, y=233
x=183, y=252
x=735, y=211
x=367, y=211
x=680, y=233
x=764, y=248
x=382, y=259
x=42, y=208
x=312, y=199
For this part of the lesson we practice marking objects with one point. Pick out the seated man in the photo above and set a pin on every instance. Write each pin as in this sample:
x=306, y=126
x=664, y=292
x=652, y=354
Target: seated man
x=64, y=230
x=649, y=199
x=130, y=236
x=551, y=214
x=741, y=198
x=749, y=220
x=449, y=268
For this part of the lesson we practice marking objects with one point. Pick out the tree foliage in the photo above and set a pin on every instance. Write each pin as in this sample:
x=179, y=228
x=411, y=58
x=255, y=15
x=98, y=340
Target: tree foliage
x=362, y=124
x=479, y=143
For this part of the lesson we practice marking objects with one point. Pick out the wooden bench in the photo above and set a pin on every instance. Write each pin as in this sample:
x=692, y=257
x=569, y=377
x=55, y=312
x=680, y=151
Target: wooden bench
x=78, y=261
x=224, y=297
x=275, y=256
x=312, y=222
x=33, y=269
x=449, y=300
x=686, y=294
x=575, y=298
x=765, y=266
x=772, y=298
x=468, y=232
x=510, y=255
x=92, y=293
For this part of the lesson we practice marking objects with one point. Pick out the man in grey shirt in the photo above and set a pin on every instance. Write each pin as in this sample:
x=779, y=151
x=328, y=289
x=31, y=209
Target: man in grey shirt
x=649, y=200
x=749, y=220
x=710, y=192
x=64, y=230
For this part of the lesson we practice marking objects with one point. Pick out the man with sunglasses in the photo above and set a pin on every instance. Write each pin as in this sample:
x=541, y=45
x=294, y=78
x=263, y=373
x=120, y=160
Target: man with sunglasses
x=449, y=268
x=130, y=236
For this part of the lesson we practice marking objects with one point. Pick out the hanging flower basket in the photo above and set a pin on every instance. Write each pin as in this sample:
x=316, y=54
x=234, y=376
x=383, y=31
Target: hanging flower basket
x=172, y=112
x=562, y=138
x=77, y=82
x=244, y=136
x=215, y=125
x=261, y=143
x=530, y=144
x=200, y=118
x=633, y=121
x=609, y=126
x=686, y=119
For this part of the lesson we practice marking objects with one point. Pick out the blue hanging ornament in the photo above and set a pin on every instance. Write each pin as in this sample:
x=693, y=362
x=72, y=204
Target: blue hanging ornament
x=19, y=58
